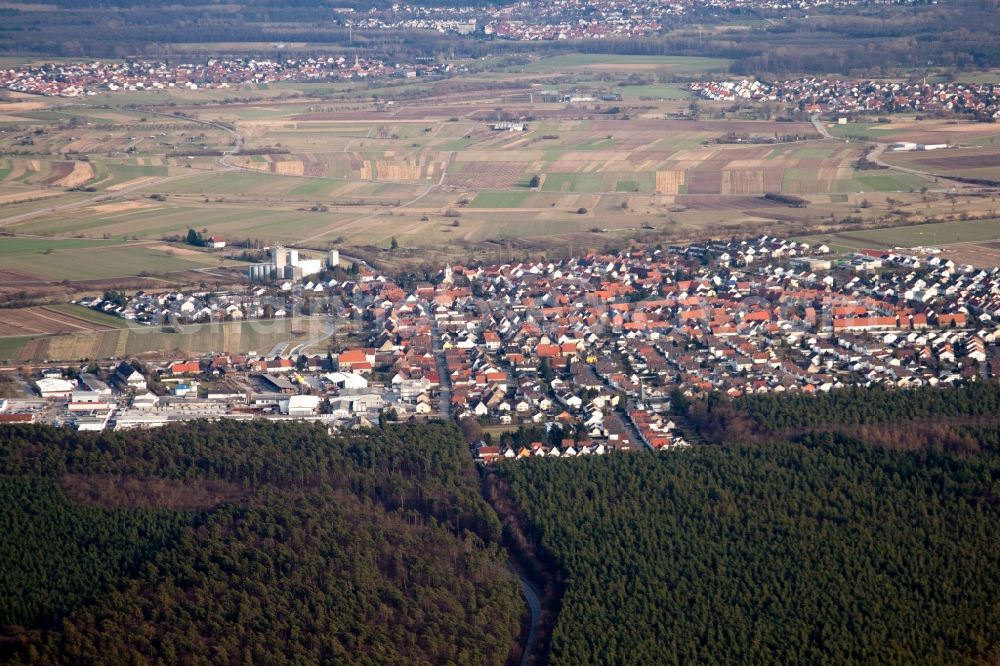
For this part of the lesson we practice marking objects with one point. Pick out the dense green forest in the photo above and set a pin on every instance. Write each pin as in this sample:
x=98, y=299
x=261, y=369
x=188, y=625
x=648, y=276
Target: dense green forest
x=902, y=419
x=264, y=542
x=250, y=542
x=821, y=551
x=94, y=549
x=870, y=405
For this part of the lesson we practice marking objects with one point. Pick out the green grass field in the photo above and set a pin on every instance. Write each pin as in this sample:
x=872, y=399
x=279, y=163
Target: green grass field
x=674, y=63
x=573, y=182
x=92, y=315
x=935, y=234
x=866, y=130
x=972, y=231
x=979, y=77
x=641, y=182
x=896, y=182
x=93, y=263
x=233, y=182
x=498, y=199
x=10, y=348
x=17, y=245
x=654, y=91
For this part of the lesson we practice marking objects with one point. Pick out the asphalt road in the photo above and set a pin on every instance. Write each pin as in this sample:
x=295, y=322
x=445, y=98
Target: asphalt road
x=875, y=156
x=444, y=400
x=534, y=600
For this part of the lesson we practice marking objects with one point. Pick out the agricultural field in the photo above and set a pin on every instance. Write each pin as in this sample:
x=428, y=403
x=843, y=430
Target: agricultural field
x=975, y=242
x=85, y=259
x=654, y=91
x=974, y=162
x=498, y=199
x=678, y=64
x=926, y=131
x=231, y=337
x=444, y=167
x=55, y=319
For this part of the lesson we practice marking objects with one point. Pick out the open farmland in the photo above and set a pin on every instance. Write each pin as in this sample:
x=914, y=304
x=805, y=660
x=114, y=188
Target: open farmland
x=927, y=131
x=975, y=242
x=232, y=337
x=264, y=219
x=90, y=260
x=53, y=319
x=680, y=64
x=981, y=162
x=444, y=167
x=498, y=200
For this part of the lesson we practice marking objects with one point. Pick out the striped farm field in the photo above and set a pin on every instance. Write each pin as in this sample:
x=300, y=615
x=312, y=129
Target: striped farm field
x=232, y=337
x=110, y=261
x=356, y=164
x=43, y=320
x=58, y=173
x=88, y=314
x=670, y=182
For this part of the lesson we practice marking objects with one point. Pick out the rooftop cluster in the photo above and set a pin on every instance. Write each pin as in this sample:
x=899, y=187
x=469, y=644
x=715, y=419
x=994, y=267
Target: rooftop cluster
x=837, y=96
x=594, y=348
x=77, y=79
x=558, y=20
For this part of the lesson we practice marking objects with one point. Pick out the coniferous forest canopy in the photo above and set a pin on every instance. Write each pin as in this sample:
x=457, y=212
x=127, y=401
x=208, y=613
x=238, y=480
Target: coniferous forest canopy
x=824, y=551
x=857, y=526
x=818, y=542
x=928, y=417
x=278, y=544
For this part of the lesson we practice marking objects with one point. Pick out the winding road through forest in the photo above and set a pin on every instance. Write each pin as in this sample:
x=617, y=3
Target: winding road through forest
x=534, y=599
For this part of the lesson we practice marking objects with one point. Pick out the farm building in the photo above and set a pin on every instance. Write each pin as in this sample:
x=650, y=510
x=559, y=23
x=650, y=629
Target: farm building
x=509, y=127
x=301, y=405
x=347, y=380
x=50, y=387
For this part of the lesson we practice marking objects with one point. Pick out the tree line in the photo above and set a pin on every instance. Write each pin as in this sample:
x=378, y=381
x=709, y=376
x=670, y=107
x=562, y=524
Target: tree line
x=763, y=417
x=825, y=550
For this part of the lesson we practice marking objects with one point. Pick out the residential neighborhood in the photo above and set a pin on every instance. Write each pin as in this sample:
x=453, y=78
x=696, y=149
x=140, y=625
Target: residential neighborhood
x=590, y=350
x=835, y=96
x=555, y=21
x=88, y=79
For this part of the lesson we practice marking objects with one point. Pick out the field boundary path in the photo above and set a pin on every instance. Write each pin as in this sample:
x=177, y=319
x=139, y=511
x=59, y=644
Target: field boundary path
x=379, y=213
x=875, y=156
